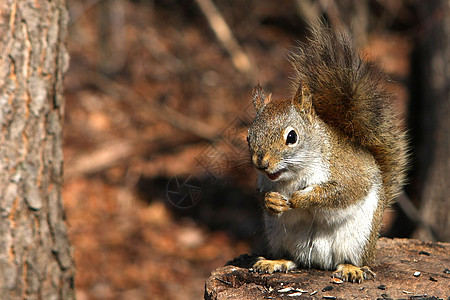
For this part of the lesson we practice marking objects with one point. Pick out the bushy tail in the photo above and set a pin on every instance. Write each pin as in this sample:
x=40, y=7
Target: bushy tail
x=348, y=94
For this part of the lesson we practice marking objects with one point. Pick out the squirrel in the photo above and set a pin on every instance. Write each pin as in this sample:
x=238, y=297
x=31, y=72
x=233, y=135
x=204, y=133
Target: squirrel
x=330, y=160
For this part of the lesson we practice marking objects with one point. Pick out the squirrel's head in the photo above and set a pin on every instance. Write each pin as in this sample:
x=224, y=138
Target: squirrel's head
x=284, y=136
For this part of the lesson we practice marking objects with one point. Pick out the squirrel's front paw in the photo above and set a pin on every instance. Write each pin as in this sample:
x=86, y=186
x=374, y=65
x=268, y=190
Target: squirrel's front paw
x=351, y=273
x=276, y=203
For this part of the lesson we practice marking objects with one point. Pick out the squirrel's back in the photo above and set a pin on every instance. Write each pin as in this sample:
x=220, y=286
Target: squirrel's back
x=348, y=94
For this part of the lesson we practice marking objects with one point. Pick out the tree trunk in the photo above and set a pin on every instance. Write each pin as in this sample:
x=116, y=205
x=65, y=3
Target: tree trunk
x=35, y=254
x=431, y=122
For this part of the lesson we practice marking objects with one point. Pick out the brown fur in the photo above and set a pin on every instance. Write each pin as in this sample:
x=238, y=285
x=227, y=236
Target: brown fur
x=348, y=94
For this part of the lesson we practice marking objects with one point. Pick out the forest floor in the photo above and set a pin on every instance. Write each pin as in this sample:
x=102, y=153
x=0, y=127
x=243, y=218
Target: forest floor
x=158, y=192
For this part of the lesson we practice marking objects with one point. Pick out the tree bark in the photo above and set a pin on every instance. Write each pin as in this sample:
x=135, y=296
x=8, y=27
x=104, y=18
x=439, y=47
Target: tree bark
x=35, y=254
x=430, y=120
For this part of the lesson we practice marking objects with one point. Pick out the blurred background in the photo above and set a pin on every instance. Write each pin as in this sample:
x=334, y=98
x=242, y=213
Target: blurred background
x=158, y=191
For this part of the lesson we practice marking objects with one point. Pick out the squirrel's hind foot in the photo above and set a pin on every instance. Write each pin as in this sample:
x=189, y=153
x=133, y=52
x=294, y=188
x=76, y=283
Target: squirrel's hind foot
x=269, y=266
x=351, y=273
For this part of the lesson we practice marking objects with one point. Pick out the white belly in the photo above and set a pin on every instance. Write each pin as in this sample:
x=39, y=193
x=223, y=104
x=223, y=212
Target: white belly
x=323, y=238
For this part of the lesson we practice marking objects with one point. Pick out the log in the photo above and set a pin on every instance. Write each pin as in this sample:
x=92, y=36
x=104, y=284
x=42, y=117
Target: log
x=405, y=269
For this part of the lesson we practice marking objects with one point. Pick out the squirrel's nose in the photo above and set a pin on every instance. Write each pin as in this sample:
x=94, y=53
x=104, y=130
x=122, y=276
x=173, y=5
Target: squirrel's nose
x=260, y=161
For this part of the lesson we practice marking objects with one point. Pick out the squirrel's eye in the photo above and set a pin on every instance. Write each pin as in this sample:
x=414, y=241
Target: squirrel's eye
x=291, y=138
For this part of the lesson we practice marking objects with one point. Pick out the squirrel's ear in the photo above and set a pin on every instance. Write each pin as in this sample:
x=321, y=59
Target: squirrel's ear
x=259, y=98
x=303, y=99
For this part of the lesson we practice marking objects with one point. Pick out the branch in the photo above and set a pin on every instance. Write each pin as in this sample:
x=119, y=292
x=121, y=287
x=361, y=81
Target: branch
x=226, y=38
x=171, y=116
